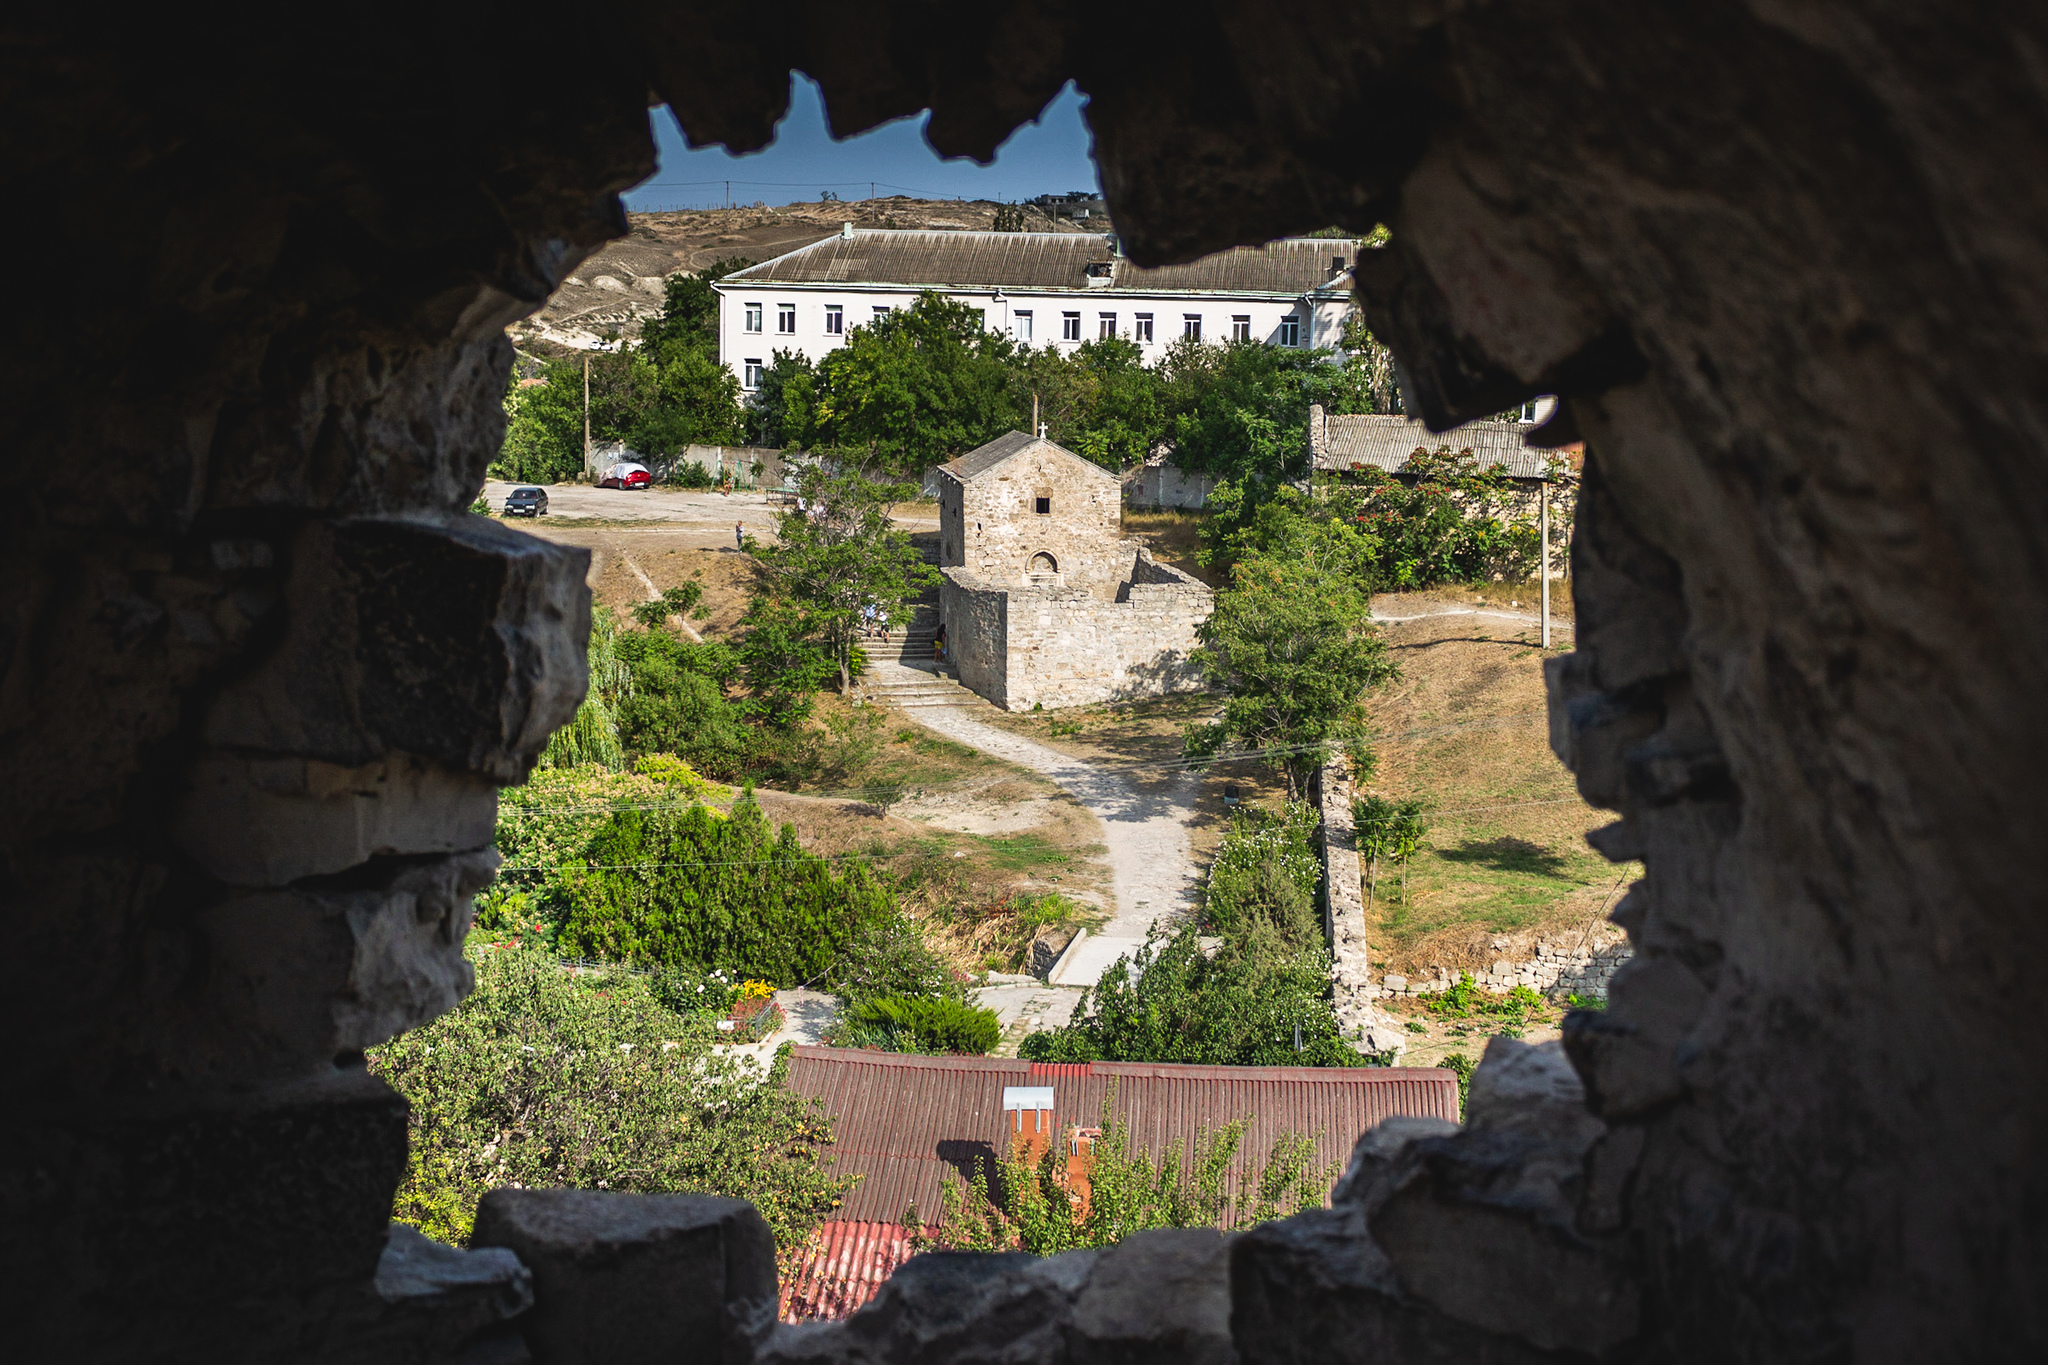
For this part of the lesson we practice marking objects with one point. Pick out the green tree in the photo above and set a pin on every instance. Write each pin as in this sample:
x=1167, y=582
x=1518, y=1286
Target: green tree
x=1172, y=1002
x=917, y=387
x=783, y=658
x=1099, y=400
x=1390, y=830
x=837, y=555
x=689, y=312
x=1293, y=645
x=541, y=1078
x=784, y=411
x=592, y=734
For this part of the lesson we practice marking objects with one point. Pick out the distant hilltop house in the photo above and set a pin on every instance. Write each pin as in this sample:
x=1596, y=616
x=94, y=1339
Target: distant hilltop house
x=1054, y=289
x=1080, y=206
x=1043, y=601
x=906, y=1125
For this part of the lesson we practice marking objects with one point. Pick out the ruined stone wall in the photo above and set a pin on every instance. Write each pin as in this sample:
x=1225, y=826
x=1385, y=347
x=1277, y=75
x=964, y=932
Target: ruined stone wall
x=1785, y=269
x=1057, y=646
x=976, y=615
x=1083, y=532
x=1560, y=967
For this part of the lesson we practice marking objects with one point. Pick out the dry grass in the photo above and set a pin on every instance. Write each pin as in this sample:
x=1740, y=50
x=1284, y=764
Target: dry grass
x=1506, y=859
x=1173, y=537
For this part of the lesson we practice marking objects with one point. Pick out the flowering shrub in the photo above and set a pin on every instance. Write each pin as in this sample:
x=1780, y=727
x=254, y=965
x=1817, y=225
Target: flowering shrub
x=1265, y=872
x=756, y=990
x=688, y=989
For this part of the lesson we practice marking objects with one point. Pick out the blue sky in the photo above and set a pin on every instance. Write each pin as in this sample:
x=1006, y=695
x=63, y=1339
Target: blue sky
x=1049, y=156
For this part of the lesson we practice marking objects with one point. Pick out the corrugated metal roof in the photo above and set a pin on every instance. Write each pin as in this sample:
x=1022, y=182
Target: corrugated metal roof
x=983, y=458
x=902, y=1123
x=841, y=1267
x=1387, y=442
x=1045, y=261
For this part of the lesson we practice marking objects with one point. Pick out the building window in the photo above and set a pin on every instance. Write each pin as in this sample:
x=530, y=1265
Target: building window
x=785, y=318
x=1070, y=327
x=1240, y=328
x=882, y=310
x=1141, y=329
x=1105, y=325
x=1020, y=324
x=1290, y=330
x=835, y=320
x=1191, y=326
x=752, y=378
x=1042, y=506
x=981, y=318
x=753, y=317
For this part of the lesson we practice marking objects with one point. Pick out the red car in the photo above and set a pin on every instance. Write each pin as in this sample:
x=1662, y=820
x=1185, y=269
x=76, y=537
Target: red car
x=626, y=476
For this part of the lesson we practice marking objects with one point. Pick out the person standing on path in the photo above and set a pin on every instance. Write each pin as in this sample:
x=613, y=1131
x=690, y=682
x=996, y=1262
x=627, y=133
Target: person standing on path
x=739, y=537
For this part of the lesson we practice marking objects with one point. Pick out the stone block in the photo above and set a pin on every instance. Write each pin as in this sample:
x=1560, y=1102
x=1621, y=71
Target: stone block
x=1394, y=983
x=1157, y=1297
x=460, y=643
x=626, y=1278
x=956, y=1308
x=333, y=966
x=210, y=1224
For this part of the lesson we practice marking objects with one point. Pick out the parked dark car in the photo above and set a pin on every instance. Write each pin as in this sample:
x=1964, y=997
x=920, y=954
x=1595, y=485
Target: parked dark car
x=527, y=502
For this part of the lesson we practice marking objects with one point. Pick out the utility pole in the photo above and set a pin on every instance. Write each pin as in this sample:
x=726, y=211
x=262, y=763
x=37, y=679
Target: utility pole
x=1543, y=536
x=1036, y=430
x=586, y=419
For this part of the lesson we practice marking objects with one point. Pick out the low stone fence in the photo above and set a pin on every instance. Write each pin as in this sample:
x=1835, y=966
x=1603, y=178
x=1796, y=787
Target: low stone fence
x=1560, y=968
x=1572, y=964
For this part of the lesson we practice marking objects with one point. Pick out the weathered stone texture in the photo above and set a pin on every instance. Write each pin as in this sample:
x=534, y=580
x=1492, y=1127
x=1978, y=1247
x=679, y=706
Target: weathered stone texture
x=622, y=1279
x=989, y=524
x=1784, y=265
x=1052, y=646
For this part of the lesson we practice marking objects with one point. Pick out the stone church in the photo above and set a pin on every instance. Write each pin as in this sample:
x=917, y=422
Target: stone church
x=1044, y=602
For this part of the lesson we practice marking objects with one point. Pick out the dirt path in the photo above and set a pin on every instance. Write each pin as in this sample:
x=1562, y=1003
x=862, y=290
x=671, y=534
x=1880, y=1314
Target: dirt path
x=1146, y=833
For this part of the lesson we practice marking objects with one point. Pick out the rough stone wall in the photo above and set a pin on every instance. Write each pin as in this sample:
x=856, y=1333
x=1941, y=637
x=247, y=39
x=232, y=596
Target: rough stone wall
x=1351, y=988
x=999, y=531
x=1782, y=263
x=977, y=616
x=1021, y=647
x=1559, y=968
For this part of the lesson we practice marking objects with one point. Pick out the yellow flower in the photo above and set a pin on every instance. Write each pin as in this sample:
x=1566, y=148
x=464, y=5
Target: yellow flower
x=755, y=990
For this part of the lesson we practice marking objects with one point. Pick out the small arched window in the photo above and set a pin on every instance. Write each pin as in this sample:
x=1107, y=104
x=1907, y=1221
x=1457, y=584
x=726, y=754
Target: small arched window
x=1043, y=563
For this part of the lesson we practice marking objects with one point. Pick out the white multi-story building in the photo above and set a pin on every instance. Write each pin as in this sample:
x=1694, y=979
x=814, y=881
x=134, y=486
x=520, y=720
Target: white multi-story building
x=1040, y=288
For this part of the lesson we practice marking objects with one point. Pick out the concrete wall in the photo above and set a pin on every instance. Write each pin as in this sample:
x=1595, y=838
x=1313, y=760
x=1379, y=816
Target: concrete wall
x=1167, y=485
x=1021, y=647
x=998, y=532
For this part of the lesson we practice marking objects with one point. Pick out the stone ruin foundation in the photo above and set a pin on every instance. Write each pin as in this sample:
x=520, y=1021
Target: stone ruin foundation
x=1787, y=268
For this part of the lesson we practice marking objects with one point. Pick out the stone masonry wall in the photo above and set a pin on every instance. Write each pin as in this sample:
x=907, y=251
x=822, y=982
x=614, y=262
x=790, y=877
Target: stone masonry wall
x=1561, y=967
x=1068, y=647
x=976, y=615
x=999, y=532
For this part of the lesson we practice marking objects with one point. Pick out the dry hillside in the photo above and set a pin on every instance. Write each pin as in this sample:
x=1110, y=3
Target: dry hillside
x=622, y=284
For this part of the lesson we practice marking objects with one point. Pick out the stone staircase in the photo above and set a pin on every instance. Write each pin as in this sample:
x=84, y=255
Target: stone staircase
x=901, y=671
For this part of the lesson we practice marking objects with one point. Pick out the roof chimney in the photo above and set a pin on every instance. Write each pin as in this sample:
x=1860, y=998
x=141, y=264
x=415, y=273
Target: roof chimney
x=846, y=232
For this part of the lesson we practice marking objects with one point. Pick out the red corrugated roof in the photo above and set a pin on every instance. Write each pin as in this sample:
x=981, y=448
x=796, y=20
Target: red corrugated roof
x=902, y=1122
x=841, y=1267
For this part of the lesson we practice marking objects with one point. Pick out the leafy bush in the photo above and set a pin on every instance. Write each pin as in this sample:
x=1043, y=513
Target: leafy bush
x=689, y=989
x=1463, y=1066
x=680, y=600
x=680, y=704
x=545, y=823
x=1030, y=1206
x=895, y=1023
x=1173, y=1003
x=888, y=957
x=1266, y=872
x=669, y=887
x=541, y=1078
x=690, y=474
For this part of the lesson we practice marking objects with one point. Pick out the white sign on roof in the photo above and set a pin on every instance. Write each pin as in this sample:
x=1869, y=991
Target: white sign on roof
x=1026, y=1097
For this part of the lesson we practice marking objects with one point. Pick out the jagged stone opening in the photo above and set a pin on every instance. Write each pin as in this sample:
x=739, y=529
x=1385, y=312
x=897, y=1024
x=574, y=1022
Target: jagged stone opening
x=1784, y=267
